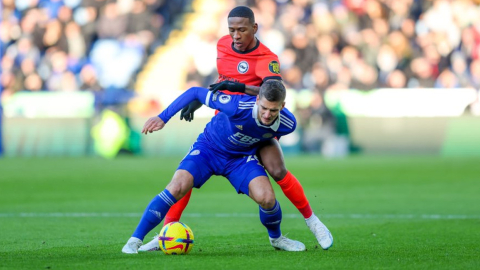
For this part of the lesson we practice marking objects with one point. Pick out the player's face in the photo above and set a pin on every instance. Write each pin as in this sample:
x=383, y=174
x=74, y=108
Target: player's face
x=268, y=111
x=242, y=33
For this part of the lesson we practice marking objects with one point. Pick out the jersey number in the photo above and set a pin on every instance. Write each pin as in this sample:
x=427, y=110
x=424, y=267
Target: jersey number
x=251, y=158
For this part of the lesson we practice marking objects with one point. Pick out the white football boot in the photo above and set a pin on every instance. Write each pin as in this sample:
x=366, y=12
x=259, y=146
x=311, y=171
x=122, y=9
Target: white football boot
x=153, y=245
x=132, y=245
x=323, y=235
x=283, y=243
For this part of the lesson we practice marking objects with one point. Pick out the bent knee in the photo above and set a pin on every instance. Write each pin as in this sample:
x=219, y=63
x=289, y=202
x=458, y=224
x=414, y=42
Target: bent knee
x=177, y=191
x=181, y=183
x=267, y=201
x=277, y=172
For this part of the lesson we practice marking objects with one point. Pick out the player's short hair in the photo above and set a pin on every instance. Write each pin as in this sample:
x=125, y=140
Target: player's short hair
x=273, y=91
x=242, y=12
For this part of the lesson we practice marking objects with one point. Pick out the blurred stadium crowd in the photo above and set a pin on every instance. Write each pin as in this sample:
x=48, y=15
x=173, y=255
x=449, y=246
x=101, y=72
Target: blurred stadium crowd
x=69, y=45
x=358, y=44
x=72, y=45
x=97, y=45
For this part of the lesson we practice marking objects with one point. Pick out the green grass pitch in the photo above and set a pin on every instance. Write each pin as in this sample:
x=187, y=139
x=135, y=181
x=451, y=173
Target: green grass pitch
x=384, y=213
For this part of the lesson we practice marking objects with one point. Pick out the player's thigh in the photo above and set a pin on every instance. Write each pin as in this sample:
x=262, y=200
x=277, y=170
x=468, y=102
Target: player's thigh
x=261, y=191
x=200, y=163
x=241, y=171
x=271, y=156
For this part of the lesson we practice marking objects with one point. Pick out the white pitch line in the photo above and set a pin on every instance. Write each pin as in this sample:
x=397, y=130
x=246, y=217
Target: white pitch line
x=243, y=215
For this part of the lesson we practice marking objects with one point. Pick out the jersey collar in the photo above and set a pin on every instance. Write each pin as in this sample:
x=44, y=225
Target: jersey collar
x=247, y=51
x=274, y=126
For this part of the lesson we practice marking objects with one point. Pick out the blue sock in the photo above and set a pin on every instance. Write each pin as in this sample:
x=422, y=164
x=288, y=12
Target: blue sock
x=271, y=219
x=154, y=214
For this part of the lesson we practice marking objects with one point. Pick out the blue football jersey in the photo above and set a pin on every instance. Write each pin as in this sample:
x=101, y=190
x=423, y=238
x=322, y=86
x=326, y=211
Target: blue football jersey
x=236, y=129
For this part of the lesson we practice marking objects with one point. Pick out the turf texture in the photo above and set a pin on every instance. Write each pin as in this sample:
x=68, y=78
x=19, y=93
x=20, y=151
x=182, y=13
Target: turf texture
x=385, y=212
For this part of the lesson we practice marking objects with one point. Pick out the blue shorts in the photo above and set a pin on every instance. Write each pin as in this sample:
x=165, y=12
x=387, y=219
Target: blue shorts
x=203, y=162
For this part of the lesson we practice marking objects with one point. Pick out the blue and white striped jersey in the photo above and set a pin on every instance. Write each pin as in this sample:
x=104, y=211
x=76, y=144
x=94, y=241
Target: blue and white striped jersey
x=235, y=130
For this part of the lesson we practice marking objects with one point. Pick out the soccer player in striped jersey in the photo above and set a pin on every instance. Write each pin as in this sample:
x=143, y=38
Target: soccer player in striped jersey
x=244, y=64
x=226, y=147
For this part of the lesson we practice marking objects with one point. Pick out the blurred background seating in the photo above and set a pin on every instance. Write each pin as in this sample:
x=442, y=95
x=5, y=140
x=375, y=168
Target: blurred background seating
x=136, y=56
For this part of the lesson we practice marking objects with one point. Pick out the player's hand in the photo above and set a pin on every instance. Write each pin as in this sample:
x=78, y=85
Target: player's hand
x=228, y=85
x=153, y=124
x=187, y=111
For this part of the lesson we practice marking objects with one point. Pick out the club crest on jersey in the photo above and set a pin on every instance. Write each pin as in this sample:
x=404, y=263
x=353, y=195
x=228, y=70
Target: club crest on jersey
x=239, y=127
x=242, y=67
x=274, y=67
x=224, y=99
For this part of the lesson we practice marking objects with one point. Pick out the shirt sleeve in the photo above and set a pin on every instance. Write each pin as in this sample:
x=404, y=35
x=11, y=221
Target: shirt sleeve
x=222, y=102
x=194, y=93
x=268, y=67
x=225, y=103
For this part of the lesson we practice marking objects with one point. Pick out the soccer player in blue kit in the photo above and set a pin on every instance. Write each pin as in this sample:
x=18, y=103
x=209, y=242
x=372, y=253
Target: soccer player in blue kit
x=226, y=147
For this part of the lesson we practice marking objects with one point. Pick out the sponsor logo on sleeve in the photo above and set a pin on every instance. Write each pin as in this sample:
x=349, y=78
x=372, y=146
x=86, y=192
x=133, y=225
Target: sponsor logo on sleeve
x=215, y=96
x=274, y=67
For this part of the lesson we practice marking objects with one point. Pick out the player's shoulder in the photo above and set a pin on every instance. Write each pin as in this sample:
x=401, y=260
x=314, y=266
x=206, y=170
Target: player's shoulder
x=242, y=104
x=269, y=57
x=240, y=99
x=246, y=102
x=288, y=122
x=265, y=51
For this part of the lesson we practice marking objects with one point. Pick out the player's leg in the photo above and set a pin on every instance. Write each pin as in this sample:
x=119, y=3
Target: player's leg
x=201, y=164
x=181, y=183
x=261, y=191
x=177, y=209
x=250, y=178
x=272, y=159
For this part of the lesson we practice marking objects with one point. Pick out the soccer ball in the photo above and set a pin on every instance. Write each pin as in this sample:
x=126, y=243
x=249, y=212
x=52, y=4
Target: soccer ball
x=176, y=238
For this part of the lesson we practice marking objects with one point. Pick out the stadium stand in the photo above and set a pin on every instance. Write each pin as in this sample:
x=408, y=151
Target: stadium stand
x=157, y=48
x=70, y=45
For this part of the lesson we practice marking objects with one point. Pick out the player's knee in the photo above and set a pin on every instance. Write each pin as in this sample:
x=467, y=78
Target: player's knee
x=181, y=183
x=267, y=201
x=277, y=172
x=178, y=189
x=175, y=190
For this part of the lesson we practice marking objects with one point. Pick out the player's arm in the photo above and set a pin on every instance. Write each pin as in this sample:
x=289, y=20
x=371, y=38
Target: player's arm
x=188, y=111
x=202, y=95
x=153, y=124
x=158, y=122
x=193, y=94
x=251, y=90
x=268, y=68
